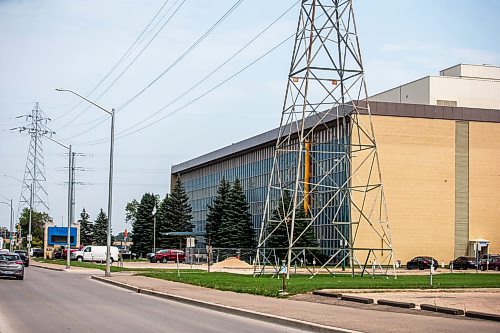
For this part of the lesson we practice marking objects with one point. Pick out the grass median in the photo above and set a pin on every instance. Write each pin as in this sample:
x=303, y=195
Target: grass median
x=297, y=284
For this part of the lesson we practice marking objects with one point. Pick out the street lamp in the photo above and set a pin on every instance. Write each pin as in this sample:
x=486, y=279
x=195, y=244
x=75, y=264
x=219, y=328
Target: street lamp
x=11, y=220
x=110, y=183
x=28, y=238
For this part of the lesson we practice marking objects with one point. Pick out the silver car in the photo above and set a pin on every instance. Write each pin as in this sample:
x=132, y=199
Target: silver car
x=11, y=265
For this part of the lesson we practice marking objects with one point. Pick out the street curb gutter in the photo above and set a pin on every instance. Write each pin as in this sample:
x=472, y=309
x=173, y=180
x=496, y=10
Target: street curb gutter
x=49, y=268
x=273, y=319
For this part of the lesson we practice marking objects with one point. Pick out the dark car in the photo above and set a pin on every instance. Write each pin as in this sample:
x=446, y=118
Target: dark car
x=11, y=265
x=464, y=263
x=493, y=263
x=421, y=263
x=38, y=253
x=169, y=255
x=24, y=257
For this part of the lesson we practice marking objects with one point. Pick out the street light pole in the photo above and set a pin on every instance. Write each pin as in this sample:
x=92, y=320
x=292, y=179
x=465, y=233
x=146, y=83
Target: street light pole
x=110, y=182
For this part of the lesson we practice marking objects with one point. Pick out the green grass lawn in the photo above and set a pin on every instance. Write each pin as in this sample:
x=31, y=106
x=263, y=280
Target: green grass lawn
x=297, y=284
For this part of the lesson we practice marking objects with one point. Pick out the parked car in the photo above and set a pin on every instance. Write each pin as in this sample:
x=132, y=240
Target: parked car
x=37, y=252
x=169, y=255
x=421, y=263
x=60, y=253
x=11, y=265
x=493, y=263
x=464, y=263
x=94, y=253
x=486, y=258
x=24, y=257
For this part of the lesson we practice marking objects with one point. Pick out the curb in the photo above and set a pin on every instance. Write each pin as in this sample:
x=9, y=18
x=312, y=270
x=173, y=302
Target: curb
x=49, y=268
x=442, y=309
x=273, y=319
x=404, y=305
x=482, y=315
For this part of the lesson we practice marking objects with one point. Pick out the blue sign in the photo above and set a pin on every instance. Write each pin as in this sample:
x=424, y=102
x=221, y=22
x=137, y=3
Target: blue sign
x=59, y=236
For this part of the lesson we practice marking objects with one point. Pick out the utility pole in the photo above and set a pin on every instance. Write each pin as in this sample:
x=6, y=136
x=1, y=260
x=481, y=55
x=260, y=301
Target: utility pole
x=34, y=174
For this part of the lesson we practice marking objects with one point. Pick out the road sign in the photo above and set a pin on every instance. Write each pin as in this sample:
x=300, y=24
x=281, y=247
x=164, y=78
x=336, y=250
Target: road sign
x=29, y=238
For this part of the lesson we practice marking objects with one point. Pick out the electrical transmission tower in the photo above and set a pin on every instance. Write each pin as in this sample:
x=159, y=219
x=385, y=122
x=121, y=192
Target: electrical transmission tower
x=325, y=176
x=33, y=193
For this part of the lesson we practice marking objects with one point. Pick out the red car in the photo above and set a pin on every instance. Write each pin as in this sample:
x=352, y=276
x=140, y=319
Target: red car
x=492, y=264
x=169, y=255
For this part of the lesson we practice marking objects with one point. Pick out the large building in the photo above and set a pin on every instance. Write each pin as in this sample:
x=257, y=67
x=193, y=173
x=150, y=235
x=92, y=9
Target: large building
x=439, y=152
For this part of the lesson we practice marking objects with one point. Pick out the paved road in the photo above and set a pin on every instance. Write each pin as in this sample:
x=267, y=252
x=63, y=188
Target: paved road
x=48, y=301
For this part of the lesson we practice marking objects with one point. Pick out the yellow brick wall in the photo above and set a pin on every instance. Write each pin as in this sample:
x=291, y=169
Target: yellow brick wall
x=417, y=161
x=484, y=183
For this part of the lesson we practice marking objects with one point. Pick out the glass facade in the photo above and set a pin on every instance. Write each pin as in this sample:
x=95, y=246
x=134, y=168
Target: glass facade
x=253, y=168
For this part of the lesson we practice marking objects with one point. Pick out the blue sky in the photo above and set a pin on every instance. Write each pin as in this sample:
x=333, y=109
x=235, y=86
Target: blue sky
x=73, y=44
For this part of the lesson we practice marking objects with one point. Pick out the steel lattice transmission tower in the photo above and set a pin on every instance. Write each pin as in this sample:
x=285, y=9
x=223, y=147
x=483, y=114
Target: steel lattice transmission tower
x=326, y=159
x=34, y=179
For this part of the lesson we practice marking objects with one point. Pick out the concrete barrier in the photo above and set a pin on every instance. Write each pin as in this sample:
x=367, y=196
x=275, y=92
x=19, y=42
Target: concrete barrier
x=482, y=315
x=327, y=294
x=442, y=309
x=396, y=304
x=357, y=299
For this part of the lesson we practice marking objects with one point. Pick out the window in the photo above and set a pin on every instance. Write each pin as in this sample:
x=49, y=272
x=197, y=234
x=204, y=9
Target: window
x=443, y=102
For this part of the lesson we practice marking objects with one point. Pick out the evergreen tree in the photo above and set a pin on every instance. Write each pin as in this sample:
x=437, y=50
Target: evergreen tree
x=162, y=224
x=215, y=213
x=142, y=228
x=177, y=214
x=131, y=211
x=86, y=226
x=100, y=230
x=236, y=228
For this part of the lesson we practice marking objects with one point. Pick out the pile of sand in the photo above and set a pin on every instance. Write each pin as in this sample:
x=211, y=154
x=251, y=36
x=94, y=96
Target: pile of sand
x=232, y=262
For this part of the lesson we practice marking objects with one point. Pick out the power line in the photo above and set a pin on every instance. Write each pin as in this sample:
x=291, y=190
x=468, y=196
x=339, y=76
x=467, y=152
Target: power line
x=143, y=35
x=201, y=81
x=97, y=142
x=213, y=71
x=191, y=48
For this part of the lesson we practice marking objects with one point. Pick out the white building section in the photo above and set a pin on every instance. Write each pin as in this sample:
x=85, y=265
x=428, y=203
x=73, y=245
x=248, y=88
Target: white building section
x=471, y=86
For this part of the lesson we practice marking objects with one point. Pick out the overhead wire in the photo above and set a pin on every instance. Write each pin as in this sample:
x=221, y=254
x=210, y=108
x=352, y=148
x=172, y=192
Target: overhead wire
x=132, y=62
x=195, y=99
x=199, y=82
x=213, y=71
x=189, y=50
x=119, y=62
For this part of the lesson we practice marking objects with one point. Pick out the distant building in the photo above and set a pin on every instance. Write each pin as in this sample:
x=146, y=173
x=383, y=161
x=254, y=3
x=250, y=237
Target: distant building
x=55, y=237
x=438, y=142
x=469, y=86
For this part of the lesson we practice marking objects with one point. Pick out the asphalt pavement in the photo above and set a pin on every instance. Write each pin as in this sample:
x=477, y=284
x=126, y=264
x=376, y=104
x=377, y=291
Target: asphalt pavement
x=49, y=301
